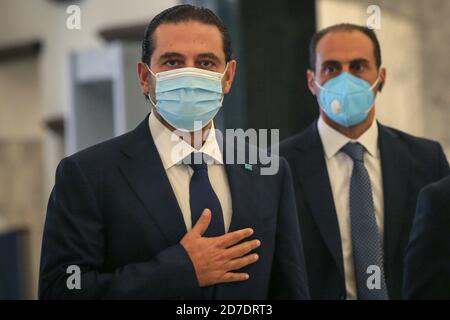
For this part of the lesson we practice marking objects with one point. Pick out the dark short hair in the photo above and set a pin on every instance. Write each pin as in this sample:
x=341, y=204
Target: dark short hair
x=344, y=27
x=183, y=13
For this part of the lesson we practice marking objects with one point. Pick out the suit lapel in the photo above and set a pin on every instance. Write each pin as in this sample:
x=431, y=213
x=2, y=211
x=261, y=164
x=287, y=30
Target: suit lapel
x=313, y=176
x=395, y=171
x=244, y=209
x=240, y=185
x=145, y=174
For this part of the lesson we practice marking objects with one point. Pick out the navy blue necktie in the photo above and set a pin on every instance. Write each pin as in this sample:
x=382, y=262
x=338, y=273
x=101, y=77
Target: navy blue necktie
x=366, y=242
x=202, y=196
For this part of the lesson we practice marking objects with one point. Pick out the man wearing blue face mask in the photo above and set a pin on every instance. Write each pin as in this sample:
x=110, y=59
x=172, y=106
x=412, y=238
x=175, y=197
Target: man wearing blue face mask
x=356, y=181
x=157, y=213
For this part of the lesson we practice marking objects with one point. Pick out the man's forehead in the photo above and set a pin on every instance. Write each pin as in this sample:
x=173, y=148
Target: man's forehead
x=188, y=38
x=345, y=46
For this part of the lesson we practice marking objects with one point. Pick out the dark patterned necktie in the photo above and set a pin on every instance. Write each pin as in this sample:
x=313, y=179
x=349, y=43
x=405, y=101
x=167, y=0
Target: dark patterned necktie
x=202, y=196
x=366, y=242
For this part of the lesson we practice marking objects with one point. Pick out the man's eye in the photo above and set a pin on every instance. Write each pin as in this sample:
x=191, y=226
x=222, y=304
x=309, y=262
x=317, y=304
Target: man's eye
x=171, y=63
x=206, y=64
x=358, y=67
x=328, y=70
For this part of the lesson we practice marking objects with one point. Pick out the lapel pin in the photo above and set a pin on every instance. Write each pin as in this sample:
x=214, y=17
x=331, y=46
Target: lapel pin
x=248, y=167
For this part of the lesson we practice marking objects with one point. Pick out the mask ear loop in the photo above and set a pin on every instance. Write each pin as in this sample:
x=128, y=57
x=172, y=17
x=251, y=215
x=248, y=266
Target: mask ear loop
x=321, y=88
x=223, y=75
x=375, y=83
x=148, y=95
x=318, y=85
x=226, y=68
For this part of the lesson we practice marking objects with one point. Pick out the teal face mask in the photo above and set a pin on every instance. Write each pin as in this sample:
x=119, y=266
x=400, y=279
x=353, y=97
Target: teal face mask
x=346, y=99
x=188, y=98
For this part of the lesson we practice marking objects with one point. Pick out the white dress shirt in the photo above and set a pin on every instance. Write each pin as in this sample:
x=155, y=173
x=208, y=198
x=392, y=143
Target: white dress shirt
x=172, y=150
x=340, y=167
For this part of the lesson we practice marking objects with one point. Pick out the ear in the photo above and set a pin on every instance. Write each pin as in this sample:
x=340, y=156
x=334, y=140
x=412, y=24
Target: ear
x=229, y=76
x=144, y=77
x=311, y=83
x=382, y=79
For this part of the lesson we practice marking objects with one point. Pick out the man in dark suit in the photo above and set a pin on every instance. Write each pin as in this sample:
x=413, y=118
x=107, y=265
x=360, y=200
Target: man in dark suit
x=356, y=181
x=138, y=221
x=427, y=258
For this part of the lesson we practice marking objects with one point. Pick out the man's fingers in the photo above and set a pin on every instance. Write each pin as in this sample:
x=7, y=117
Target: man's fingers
x=239, y=263
x=233, y=277
x=202, y=223
x=242, y=249
x=230, y=239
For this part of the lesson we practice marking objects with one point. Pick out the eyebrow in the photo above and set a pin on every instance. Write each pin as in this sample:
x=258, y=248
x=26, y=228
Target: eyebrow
x=335, y=62
x=359, y=60
x=209, y=55
x=176, y=55
x=170, y=55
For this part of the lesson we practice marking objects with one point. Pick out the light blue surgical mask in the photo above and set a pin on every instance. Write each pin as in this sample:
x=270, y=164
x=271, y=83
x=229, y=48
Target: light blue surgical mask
x=347, y=99
x=188, y=98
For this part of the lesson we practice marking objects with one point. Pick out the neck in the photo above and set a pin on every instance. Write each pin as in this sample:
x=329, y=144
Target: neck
x=353, y=132
x=196, y=139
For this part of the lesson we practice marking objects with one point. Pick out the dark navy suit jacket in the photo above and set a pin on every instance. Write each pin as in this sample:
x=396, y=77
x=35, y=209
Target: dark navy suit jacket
x=408, y=163
x=113, y=213
x=427, y=259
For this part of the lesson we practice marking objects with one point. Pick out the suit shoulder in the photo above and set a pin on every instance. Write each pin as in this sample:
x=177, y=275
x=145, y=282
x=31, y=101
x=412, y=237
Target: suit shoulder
x=102, y=152
x=291, y=142
x=434, y=199
x=437, y=191
x=444, y=185
x=298, y=140
x=413, y=141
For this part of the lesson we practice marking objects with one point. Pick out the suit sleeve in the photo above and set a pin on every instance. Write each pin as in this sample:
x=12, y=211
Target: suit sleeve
x=425, y=274
x=443, y=165
x=74, y=235
x=289, y=279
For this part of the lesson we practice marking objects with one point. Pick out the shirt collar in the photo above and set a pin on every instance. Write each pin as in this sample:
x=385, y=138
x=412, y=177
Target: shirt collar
x=172, y=149
x=333, y=140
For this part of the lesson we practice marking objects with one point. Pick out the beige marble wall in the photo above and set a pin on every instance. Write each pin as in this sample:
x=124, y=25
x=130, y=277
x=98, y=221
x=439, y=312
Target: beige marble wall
x=21, y=198
x=21, y=158
x=415, y=45
x=20, y=182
